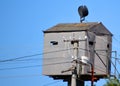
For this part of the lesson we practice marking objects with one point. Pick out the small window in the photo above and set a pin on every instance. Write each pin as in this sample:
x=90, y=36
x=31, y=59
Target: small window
x=53, y=42
x=108, y=46
x=72, y=42
x=91, y=43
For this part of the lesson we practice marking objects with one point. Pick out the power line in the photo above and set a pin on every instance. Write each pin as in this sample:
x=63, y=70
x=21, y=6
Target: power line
x=7, y=60
x=112, y=64
x=116, y=39
x=18, y=59
x=110, y=42
x=21, y=76
x=115, y=67
x=100, y=70
x=27, y=56
x=105, y=64
x=116, y=58
x=21, y=67
x=51, y=83
x=100, y=59
x=11, y=68
x=34, y=59
x=22, y=57
x=118, y=61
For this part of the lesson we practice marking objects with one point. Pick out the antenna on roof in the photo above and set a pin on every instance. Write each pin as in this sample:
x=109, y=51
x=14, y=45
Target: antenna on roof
x=83, y=12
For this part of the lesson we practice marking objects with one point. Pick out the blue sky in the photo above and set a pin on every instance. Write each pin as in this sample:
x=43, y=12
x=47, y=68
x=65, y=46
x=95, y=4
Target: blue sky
x=22, y=23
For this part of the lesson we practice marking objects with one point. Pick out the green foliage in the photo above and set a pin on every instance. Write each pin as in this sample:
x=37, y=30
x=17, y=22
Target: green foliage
x=113, y=82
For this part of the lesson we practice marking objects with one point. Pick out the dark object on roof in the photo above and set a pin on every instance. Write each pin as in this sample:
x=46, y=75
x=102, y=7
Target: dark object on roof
x=83, y=11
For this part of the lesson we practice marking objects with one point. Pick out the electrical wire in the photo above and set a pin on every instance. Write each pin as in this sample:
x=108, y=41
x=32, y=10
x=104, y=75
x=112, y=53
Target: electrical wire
x=33, y=75
x=32, y=60
x=11, y=68
x=23, y=57
x=115, y=68
x=7, y=60
x=13, y=59
x=118, y=61
x=98, y=66
x=116, y=58
x=103, y=61
x=100, y=70
x=32, y=66
x=21, y=76
x=17, y=58
x=27, y=56
x=117, y=43
x=21, y=67
x=100, y=59
x=116, y=39
x=113, y=65
x=111, y=42
x=51, y=83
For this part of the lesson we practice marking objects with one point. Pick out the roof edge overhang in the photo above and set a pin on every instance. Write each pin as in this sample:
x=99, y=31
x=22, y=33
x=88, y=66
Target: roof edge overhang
x=69, y=27
x=106, y=29
x=63, y=31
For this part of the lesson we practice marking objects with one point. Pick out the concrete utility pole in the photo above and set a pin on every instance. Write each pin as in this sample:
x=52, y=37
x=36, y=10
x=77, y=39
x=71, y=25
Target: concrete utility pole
x=74, y=80
x=74, y=72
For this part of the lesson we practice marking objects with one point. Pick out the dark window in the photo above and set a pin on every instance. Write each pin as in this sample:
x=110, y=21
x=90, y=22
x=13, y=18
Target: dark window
x=108, y=46
x=53, y=42
x=91, y=43
x=72, y=42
